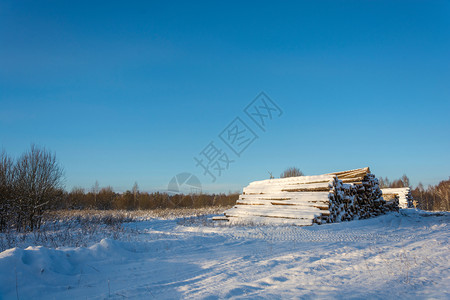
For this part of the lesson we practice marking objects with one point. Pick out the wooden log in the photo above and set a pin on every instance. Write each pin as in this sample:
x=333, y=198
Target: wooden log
x=220, y=218
x=307, y=189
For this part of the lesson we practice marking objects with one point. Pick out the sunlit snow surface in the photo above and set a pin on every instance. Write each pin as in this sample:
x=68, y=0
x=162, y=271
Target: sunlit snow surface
x=404, y=255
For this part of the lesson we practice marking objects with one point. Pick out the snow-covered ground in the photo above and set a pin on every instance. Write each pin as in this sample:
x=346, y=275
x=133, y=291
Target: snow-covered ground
x=404, y=255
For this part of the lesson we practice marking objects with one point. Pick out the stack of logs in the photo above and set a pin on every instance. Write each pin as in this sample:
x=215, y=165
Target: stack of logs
x=362, y=196
x=401, y=195
x=304, y=200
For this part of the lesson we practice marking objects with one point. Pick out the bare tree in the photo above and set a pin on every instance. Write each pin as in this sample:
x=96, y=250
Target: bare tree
x=387, y=183
x=443, y=192
x=135, y=194
x=95, y=190
x=405, y=180
x=291, y=172
x=38, y=185
x=6, y=189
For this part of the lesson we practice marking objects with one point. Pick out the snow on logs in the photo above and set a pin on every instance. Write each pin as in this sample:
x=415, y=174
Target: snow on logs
x=402, y=195
x=305, y=200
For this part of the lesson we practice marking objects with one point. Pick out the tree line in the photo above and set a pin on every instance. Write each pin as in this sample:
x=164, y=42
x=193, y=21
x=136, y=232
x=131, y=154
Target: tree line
x=434, y=197
x=105, y=198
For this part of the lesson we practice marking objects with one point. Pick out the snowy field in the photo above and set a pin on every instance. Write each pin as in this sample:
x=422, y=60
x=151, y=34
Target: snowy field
x=399, y=255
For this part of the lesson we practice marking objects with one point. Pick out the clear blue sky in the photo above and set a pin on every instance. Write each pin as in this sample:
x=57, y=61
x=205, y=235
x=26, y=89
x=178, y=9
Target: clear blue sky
x=131, y=91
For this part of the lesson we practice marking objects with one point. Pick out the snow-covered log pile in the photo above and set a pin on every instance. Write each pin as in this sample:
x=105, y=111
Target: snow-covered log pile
x=294, y=200
x=363, y=187
x=403, y=195
x=305, y=200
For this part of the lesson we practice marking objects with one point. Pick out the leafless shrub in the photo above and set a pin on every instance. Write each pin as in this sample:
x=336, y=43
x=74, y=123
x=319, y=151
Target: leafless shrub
x=67, y=230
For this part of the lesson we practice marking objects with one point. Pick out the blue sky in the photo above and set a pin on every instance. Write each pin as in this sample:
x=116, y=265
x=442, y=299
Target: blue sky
x=132, y=91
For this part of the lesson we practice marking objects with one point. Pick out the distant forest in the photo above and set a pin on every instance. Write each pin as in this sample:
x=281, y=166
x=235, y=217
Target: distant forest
x=106, y=198
x=33, y=184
